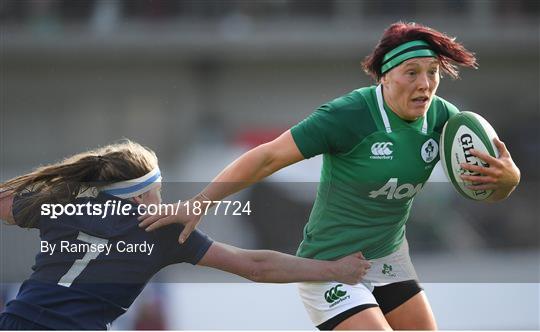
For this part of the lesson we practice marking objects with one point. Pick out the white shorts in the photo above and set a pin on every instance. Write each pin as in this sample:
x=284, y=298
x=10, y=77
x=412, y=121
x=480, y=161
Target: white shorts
x=325, y=300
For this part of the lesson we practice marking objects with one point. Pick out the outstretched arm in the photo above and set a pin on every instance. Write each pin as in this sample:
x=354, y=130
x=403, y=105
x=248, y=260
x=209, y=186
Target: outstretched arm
x=249, y=168
x=6, y=203
x=254, y=166
x=276, y=267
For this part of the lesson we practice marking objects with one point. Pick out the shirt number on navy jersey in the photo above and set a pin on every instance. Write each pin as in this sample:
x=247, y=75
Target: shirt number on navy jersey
x=80, y=264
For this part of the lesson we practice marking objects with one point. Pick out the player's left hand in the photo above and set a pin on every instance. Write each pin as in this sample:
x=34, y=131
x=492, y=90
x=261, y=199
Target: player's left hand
x=178, y=214
x=351, y=269
x=501, y=175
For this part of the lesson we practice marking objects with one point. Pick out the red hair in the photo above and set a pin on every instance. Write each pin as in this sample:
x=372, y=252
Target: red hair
x=450, y=53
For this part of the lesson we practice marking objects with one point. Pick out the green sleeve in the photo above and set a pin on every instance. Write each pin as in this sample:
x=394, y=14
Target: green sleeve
x=313, y=135
x=332, y=128
x=447, y=110
x=451, y=108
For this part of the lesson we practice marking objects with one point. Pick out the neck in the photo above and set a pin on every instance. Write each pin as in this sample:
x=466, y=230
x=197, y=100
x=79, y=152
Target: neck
x=393, y=107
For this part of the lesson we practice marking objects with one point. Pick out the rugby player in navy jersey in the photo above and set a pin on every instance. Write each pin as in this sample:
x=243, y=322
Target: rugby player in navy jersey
x=92, y=266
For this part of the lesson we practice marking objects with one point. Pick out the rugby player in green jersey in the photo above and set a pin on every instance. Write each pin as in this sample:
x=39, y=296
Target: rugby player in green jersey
x=379, y=147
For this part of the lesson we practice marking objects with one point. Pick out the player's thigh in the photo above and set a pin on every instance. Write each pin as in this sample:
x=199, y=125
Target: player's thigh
x=368, y=319
x=333, y=305
x=413, y=314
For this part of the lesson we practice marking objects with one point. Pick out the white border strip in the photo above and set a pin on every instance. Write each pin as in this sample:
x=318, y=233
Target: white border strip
x=134, y=187
x=425, y=125
x=380, y=102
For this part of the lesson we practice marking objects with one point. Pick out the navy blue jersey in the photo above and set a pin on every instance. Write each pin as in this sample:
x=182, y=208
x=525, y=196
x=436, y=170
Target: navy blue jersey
x=90, y=269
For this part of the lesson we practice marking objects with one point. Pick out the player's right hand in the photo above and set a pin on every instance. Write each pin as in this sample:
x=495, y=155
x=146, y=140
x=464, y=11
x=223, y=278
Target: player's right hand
x=179, y=214
x=351, y=269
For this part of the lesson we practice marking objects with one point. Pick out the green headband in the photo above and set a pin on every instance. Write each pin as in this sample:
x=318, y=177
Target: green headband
x=412, y=49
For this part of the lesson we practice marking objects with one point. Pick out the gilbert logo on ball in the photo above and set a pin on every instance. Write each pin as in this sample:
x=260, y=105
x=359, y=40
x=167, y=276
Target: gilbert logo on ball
x=462, y=133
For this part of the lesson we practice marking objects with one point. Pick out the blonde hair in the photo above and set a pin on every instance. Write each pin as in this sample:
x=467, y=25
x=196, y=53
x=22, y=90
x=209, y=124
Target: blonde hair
x=63, y=181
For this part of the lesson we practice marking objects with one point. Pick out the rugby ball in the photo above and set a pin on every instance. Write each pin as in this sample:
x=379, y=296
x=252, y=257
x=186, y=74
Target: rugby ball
x=463, y=132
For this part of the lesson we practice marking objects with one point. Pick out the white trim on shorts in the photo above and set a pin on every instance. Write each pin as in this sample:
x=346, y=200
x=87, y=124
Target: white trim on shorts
x=325, y=300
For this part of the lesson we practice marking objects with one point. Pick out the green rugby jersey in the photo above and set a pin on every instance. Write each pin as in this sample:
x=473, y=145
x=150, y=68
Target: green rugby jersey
x=374, y=163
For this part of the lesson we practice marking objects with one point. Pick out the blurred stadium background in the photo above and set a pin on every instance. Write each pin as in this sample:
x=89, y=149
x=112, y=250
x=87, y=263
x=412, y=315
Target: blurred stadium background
x=202, y=81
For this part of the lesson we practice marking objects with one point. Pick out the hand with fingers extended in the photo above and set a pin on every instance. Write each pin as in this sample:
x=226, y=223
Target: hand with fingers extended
x=178, y=214
x=351, y=269
x=502, y=175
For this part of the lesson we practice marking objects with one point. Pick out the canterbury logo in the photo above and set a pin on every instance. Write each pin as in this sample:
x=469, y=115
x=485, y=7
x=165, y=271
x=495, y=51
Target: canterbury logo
x=381, y=150
x=334, y=294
